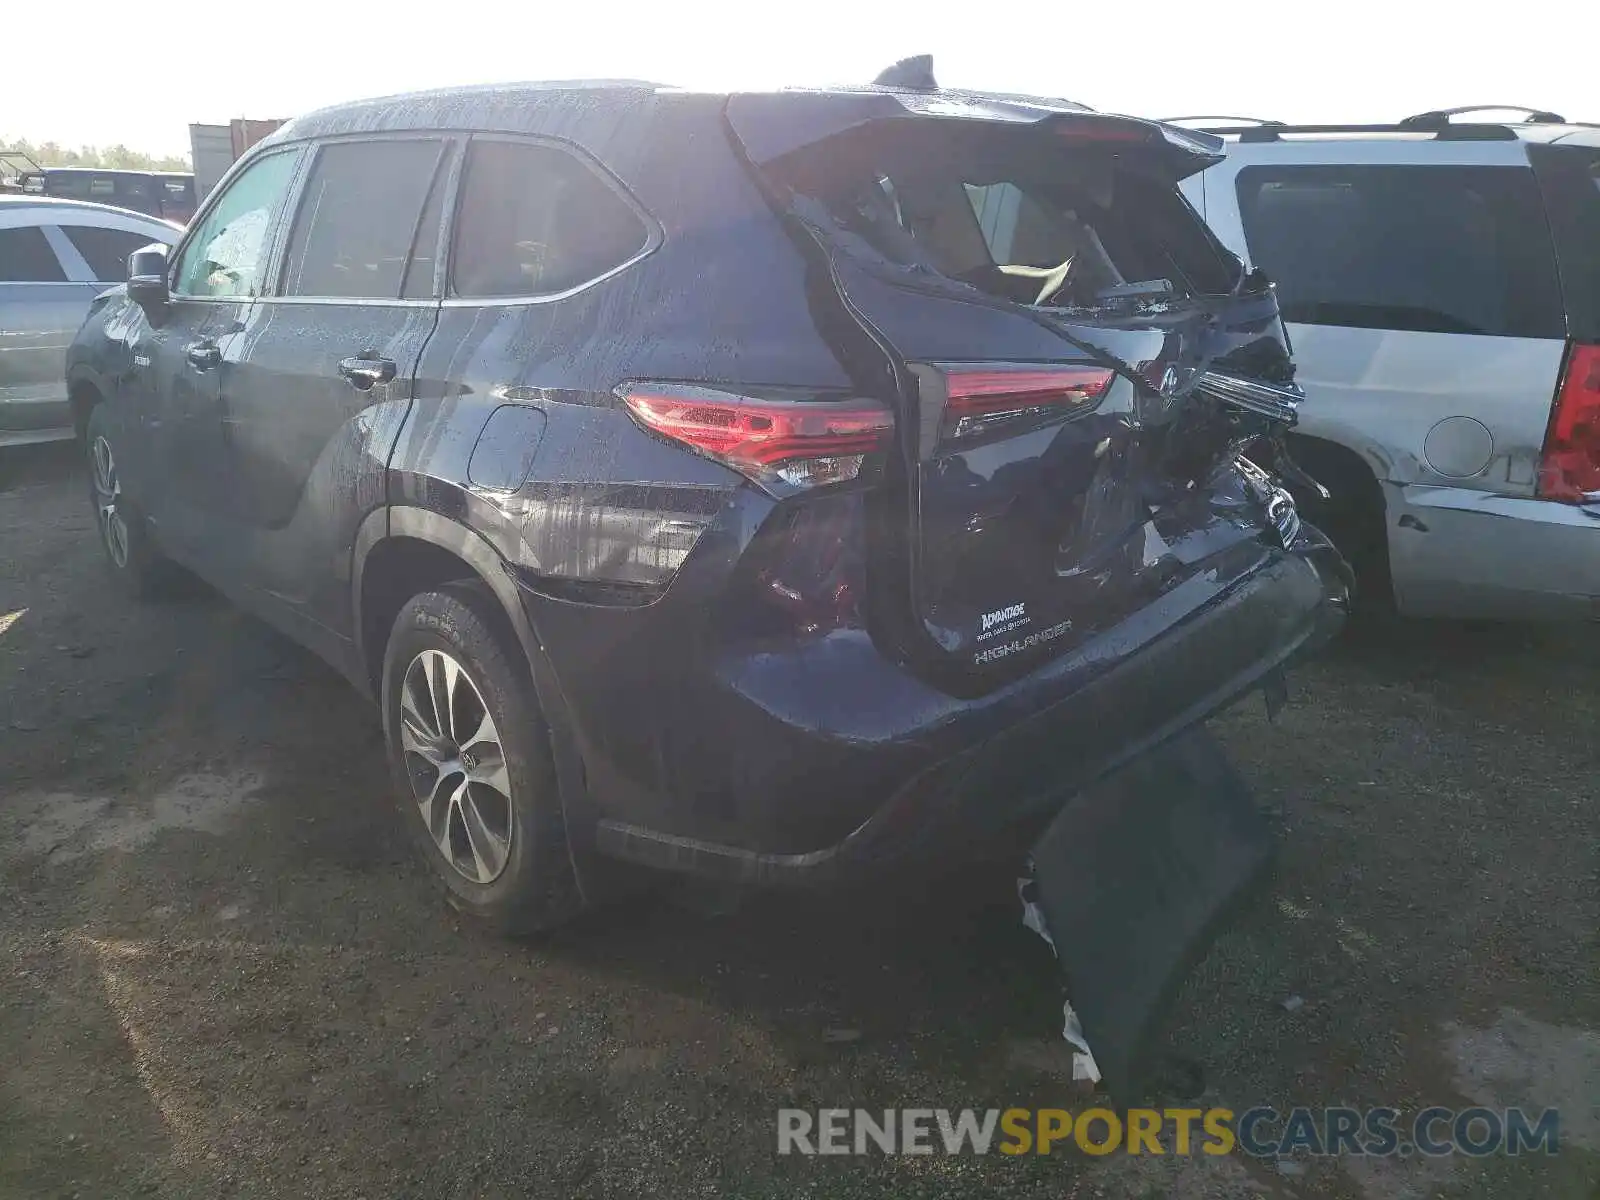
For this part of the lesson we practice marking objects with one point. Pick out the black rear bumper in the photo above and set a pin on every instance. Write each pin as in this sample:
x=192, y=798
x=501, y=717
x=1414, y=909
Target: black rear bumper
x=990, y=773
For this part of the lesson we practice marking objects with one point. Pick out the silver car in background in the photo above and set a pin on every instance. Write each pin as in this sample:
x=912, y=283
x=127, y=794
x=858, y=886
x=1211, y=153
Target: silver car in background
x=56, y=256
x=1440, y=278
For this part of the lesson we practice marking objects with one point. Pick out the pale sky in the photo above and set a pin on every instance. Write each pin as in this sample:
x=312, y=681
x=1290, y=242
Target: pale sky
x=211, y=60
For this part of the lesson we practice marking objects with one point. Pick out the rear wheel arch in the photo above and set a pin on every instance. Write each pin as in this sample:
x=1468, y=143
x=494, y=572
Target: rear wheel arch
x=403, y=550
x=1354, y=515
x=394, y=569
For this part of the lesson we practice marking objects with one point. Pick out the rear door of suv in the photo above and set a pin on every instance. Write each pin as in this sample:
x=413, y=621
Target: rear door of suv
x=1420, y=288
x=325, y=376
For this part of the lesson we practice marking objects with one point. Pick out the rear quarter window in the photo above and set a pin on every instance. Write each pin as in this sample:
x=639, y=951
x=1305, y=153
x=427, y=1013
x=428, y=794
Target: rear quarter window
x=1569, y=176
x=537, y=220
x=1420, y=248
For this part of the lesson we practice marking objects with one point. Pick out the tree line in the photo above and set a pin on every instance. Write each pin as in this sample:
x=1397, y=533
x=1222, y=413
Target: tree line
x=112, y=158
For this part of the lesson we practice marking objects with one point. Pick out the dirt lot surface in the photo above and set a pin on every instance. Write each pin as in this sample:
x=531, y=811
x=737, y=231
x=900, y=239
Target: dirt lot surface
x=221, y=974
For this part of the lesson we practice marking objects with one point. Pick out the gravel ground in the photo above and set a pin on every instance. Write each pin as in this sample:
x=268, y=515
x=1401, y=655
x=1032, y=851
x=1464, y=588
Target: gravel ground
x=221, y=974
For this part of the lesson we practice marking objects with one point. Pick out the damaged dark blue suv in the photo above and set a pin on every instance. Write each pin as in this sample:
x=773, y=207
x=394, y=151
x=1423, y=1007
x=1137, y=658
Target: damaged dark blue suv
x=767, y=486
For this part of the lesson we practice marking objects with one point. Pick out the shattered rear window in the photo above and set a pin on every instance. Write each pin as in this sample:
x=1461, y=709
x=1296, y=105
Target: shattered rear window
x=1020, y=217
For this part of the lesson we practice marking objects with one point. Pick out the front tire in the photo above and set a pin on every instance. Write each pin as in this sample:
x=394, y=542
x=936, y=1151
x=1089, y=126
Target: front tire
x=470, y=753
x=124, y=535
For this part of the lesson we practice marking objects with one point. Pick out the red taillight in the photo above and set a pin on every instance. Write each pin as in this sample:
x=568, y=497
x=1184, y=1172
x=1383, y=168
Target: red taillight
x=1569, y=469
x=801, y=443
x=977, y=397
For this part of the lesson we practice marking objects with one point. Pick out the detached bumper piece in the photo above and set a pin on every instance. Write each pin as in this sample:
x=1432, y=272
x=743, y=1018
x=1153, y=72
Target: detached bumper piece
x=1132, y=880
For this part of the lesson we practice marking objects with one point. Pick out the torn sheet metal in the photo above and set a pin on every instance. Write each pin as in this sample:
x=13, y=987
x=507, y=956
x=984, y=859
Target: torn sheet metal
x=1129, y=885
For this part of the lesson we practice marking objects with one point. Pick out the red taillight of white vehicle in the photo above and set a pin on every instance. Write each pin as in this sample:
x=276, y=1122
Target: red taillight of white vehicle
x=1569, y=468
x=797, y=444
x=981, y=398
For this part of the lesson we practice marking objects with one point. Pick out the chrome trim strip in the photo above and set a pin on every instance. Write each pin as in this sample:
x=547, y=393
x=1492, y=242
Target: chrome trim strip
x=1276, y=402
x=349, y=301
x=652, y=243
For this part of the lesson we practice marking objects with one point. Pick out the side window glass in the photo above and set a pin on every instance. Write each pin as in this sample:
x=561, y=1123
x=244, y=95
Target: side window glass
x=422, y=267
x=357, y=219
x=227, y=254
x=537, y=220
x=26, y=257
x=106, y=250
x=1429, y=249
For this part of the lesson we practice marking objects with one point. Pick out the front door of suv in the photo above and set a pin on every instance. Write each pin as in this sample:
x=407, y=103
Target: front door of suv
x=181, y=362
x=325, y=376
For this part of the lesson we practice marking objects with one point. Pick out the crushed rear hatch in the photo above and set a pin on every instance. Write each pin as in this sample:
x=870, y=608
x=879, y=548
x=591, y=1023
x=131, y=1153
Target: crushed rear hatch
x=1074, y=362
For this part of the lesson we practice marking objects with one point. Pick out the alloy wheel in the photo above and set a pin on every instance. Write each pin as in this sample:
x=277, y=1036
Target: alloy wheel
x=107, y=500
x=457, y=767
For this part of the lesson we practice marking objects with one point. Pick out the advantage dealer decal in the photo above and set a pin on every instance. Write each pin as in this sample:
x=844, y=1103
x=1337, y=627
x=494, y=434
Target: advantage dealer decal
x=1002, y=620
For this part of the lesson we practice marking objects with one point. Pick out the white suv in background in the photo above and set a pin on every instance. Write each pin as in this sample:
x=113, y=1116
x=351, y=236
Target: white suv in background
x=1441, y=282
x=56, y=256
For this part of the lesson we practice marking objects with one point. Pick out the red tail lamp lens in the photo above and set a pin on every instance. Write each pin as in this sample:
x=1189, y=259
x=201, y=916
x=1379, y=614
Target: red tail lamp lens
x=803, y=443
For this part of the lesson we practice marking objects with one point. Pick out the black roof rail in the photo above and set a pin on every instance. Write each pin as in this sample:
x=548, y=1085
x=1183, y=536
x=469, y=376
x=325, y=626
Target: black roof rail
x=1445, y=131
x=1263, y=121
x=1441, y=116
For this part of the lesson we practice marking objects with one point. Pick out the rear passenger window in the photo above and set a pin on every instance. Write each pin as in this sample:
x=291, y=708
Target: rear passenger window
x=535, y=220
x=26, y=257
x=106, y=250
x=357, y=218
x=1435, y=249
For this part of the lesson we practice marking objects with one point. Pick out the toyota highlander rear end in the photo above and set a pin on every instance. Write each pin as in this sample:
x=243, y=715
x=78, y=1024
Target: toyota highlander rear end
x=1032, y=530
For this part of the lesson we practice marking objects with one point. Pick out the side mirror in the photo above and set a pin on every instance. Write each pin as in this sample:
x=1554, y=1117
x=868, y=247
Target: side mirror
x=147, y=277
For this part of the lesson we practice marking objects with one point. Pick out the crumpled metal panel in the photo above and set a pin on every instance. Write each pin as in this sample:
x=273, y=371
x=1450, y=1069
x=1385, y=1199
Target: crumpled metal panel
x=1133, y=878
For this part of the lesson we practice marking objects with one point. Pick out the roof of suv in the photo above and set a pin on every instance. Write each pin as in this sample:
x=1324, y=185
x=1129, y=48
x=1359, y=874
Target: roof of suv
x=498, y=105
x=461, y=107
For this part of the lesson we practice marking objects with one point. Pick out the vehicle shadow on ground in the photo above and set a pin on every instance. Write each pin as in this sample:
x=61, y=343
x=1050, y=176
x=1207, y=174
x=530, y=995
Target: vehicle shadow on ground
x=899, y=960
x=52, y=462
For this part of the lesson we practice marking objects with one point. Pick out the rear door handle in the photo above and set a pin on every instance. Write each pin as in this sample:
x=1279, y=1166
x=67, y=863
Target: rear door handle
x=203, y=355
x=363, y=373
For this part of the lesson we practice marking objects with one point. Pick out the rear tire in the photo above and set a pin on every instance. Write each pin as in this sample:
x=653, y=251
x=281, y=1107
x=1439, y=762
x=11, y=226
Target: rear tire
x=470, y=753
x=1353, y=517
x=124, y=535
